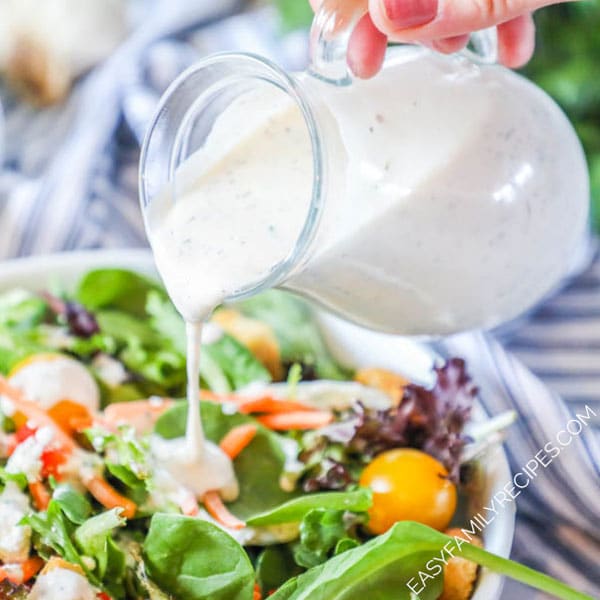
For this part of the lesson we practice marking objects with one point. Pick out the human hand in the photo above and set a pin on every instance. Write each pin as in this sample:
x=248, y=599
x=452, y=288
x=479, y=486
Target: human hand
x=444, y=25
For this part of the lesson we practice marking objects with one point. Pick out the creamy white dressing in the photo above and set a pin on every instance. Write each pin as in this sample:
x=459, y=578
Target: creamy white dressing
x=205, y=470
x=15, y=539
x=26, y=458
x=237, y=205
x=193, y=462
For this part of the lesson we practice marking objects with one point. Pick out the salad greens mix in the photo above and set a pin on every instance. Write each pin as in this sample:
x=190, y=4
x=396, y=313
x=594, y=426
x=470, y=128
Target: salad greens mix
x=347, y=481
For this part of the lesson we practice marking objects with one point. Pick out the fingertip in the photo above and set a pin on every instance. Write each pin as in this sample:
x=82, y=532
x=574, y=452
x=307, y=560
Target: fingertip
x=315, y=4
x=366, y=49
x=516, y=41
x=450, y=45
x=379, y=16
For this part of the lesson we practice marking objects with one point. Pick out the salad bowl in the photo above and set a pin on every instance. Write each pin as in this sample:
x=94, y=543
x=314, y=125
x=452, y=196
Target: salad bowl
x=349, y=344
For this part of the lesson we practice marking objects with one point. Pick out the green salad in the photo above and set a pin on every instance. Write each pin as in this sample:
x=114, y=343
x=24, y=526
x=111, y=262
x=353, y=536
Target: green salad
x=349, y=482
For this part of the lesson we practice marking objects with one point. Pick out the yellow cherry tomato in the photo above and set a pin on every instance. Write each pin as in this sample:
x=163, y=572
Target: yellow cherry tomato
x=408, y=485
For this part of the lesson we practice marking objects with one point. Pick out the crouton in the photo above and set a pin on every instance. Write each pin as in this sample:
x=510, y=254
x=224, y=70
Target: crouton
x=58, y=563
x=257, y=336
x=460, y=574
x=386, y=381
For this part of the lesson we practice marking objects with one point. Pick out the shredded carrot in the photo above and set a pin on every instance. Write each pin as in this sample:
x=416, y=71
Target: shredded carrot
x=268, y=404
x=210, y=396
x=40, y=495
x=80, y=425
x=10, y=444
x=29, y=569
x=109, y=497
x=70, y=416
x=219, y=512
x=141, y=414
x=35, y=414
x=257, y=595
x=260, y=404
x=296, y=420
x=189, y=505
x=237, y=439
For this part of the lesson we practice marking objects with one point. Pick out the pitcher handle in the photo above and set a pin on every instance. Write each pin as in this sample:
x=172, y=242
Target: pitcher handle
x=332, y=27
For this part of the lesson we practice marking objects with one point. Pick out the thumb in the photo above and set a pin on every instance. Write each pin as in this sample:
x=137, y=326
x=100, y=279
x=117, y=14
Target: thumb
x=412, y=20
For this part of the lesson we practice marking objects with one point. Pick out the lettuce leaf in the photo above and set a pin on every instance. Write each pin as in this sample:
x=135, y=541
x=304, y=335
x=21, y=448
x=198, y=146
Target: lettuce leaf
x=20, y=309
x=74, y=505
x=324, y=533
x=54, y=530
x=94, y=538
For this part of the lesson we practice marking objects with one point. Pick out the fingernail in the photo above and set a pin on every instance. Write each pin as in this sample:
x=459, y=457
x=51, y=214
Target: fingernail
x=410, y=13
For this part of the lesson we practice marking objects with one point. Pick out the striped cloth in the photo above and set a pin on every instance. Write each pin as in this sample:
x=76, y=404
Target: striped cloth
x=70, y=181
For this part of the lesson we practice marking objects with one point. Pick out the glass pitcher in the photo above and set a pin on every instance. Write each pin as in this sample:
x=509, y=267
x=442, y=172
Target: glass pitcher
x=445, y=194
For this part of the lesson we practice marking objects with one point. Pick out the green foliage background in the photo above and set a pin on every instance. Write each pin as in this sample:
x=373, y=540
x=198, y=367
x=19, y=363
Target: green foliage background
x=566, y=65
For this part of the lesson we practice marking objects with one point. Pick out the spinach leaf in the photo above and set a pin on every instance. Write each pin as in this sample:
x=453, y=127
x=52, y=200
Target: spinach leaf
x=408, y=554
x=194, y=559
x=299, y=337
x=518, y=572
x=274, y=566
x=258, y=467
x=378, y=570
x=296, y=509
x=115, y=288
x=323, y=533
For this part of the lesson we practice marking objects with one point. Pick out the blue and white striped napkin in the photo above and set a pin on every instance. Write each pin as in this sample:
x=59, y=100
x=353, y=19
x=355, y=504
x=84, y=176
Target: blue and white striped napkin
x=70, y=181
x=556, y=445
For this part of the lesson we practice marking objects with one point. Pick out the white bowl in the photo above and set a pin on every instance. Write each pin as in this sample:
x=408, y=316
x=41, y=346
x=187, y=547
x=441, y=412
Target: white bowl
x=351, y=344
